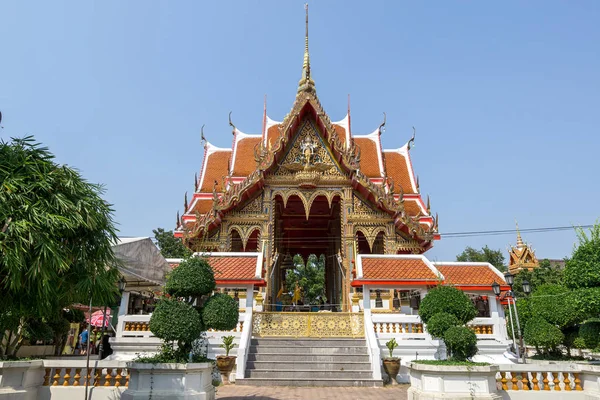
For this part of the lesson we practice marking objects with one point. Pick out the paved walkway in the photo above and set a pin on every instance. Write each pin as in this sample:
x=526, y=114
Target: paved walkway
x=233, y=392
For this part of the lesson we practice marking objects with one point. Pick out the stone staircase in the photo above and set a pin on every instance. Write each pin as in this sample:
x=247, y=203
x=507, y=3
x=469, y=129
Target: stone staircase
x=308, y=362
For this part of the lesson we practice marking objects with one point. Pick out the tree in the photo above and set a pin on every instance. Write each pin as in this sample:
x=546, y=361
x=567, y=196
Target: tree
x=583, y=269
x=169, y=245
x=180, y=319
x=309, y=277
x=56, y=234
x=545, y=274
x=494, y=257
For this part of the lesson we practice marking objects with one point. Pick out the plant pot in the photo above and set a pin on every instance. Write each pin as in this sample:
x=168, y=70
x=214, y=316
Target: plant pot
x=225, y=365
x=391, y=365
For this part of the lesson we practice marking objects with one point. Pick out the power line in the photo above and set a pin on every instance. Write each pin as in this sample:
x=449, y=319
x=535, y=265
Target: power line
x=313, y=239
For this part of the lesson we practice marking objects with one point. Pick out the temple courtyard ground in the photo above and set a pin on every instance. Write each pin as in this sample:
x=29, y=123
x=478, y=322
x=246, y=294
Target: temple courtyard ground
x=233, y=392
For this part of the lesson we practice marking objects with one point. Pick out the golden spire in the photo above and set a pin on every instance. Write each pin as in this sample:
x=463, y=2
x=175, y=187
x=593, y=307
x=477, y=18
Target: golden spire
x=306, y=83
x=520, y=244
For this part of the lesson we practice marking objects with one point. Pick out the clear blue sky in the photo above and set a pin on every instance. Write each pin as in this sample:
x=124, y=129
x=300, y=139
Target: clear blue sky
x=505, y=97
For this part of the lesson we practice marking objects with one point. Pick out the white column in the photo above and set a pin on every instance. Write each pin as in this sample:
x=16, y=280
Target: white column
x=249, y=297
x=366, y=298
x=497, y=315
x=124, y=304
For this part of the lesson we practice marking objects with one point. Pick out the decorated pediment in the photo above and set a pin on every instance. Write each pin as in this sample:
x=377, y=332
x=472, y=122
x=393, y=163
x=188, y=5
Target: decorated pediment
x=308, y=159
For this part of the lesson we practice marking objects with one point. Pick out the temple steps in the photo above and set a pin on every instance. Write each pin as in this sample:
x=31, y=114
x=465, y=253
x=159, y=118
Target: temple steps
x=308, y=362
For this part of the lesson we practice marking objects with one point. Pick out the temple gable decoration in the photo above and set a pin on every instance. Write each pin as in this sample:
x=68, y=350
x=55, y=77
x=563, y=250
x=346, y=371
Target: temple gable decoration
x=522, y=256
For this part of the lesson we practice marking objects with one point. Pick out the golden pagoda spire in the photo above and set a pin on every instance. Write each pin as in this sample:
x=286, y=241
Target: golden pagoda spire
x=306, y=83
x=520, y=243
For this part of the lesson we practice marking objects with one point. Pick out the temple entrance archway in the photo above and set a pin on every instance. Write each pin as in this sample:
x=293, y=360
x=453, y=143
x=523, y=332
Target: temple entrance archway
x=317, y=232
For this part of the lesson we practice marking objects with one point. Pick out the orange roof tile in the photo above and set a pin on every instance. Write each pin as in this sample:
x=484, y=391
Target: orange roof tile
x=341, y=132
x=396, y=269
x=369, y=160
x=216, y=168
x=244, y=163
x=411, y=207
x=231, y=267
x=397, y=169
x=272, y=134
x=466, y=274
x=203, y=206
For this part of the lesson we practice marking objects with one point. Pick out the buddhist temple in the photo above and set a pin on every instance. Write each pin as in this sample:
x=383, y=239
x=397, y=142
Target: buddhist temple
x=521, y=256
x=309, y=187
x=308, y=177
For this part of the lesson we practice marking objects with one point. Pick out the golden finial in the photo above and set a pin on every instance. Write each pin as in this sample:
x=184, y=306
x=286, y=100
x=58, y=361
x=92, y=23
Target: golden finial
x=520, y=244
x=306, y=83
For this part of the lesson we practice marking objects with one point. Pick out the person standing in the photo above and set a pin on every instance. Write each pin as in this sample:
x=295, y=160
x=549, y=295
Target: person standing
x=83, y=338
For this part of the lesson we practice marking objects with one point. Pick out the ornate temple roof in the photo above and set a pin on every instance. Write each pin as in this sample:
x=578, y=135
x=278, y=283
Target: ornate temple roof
x=229, y=177
x=521, y=256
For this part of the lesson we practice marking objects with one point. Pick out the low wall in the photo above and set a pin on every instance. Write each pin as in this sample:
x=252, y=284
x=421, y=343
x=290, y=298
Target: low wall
x=509, y=382
x=35, y=351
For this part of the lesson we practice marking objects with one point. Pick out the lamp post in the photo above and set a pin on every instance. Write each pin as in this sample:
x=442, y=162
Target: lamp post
x=497, y=291
x=510, y=280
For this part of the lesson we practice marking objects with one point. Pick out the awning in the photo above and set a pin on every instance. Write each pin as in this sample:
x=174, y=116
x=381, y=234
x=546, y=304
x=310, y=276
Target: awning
x=141, y=262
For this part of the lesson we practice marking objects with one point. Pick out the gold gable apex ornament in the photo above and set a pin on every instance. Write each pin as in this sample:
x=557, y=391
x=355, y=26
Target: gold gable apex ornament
x=522, y=256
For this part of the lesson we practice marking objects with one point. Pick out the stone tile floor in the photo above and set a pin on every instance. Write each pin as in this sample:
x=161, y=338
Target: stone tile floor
x=233, y=392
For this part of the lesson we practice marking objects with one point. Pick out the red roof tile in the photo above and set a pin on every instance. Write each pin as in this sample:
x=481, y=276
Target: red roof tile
x=234, y=268
x=396, y=269
x=466, y=274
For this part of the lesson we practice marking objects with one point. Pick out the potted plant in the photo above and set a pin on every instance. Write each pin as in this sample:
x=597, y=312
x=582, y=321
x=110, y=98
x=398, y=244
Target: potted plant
x=180, y=317
x=391, y=364
x=225, y=363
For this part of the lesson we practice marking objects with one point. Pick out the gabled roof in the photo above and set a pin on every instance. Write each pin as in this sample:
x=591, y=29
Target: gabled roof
x=470, y=273
x=411, y=270
x=231, y=268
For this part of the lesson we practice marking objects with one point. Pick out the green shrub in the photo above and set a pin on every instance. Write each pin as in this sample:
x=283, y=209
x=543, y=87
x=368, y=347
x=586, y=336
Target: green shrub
x=590, y=333
x=175, y=321
x=542, y=334
x=220, y=312
x=447, y=299
x=579, y=343
x=192, y=278
x=439, y=323
x=461, y=343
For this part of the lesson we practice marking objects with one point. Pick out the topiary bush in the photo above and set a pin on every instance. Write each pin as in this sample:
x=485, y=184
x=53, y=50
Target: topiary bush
x=178, y=320
x=439, y=323
x=543, y=335
x=447, y=299
x=220, y=312
x=193, y=277
x=590, y=334
x=461, y=343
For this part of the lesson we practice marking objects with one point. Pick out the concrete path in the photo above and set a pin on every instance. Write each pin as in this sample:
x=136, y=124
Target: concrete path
x=233, y=392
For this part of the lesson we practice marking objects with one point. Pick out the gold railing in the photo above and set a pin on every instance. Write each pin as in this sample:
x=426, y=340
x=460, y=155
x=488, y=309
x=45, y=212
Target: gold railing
x=306, y=324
